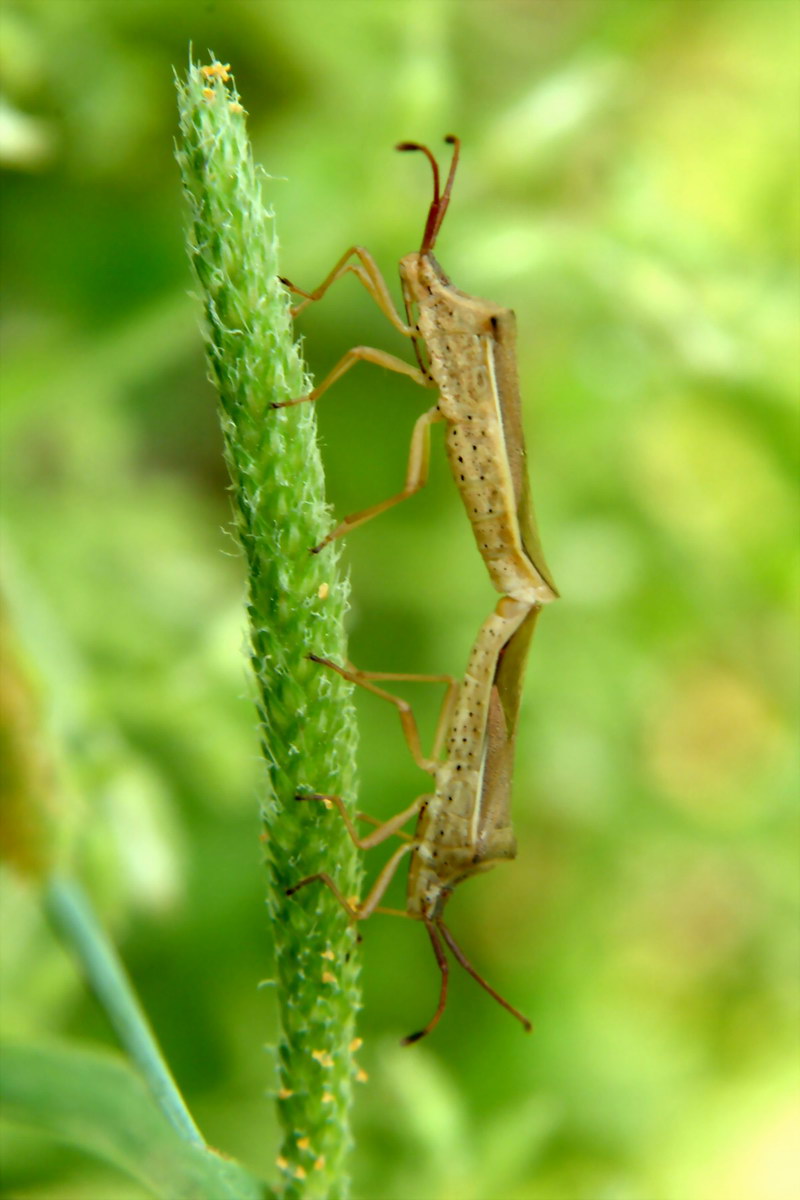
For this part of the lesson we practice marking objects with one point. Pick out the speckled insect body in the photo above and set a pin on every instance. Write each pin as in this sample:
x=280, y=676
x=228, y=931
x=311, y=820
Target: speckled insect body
x=466, y=348
x=464, y=826
x=471, y=351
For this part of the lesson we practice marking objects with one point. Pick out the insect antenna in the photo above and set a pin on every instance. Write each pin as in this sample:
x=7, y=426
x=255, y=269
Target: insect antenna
x=467, y=965
x=444, y=967
x=440, y=199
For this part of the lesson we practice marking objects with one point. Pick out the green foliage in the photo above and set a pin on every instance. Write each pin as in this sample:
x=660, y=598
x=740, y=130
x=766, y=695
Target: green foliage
x=626, y=185
x=83, y=936
x=98, y=1103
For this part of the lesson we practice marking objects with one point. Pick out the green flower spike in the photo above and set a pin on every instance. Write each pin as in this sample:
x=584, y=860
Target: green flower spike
x=296, y=605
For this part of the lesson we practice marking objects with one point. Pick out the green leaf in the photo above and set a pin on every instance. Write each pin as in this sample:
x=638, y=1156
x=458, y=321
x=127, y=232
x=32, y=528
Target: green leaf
x=95, y=1102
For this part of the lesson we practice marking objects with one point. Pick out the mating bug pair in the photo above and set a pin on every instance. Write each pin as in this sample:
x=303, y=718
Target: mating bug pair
x=465, y=347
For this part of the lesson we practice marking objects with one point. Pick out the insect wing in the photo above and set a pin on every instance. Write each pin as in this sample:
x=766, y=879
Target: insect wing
x=506, y=381
x=494, y=804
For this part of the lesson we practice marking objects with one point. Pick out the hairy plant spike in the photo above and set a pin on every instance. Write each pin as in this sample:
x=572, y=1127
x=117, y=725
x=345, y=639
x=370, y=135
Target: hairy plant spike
x=296, y=603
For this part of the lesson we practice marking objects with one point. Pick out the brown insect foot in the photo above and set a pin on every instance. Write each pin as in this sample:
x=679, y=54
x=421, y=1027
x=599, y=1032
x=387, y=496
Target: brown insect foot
x=288, y=403
x=413, y=1037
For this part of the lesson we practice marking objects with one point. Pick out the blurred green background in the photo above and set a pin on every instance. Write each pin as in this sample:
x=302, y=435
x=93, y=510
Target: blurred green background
x=629, y=186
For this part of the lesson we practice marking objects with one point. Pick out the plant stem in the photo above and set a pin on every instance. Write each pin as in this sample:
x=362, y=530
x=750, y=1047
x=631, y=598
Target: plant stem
x=72, y=916
x=296, y=606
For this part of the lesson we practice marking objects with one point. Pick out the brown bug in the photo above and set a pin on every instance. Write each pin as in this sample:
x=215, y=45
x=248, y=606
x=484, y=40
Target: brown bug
x=466, y=348
x=463, y=826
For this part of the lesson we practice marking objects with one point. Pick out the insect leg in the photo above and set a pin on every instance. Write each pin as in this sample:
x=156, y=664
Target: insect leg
x=358, y=354
x=448, y=703
x=467, y=965
x=416, y=475
x=384, y=830
x=366, y=270
x=407, y=719
x=367, y=906
x=445, y=714
x=444, y=967
x=360, y=816
x=324, y=877
x=373, y=898
x=445, y=718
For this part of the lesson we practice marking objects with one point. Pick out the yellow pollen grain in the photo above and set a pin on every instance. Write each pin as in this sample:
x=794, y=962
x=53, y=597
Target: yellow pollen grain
x=329, y=955
x=285, y=1093
x=299, y=1173
x=327, y=977
x=322, y=1057
x=281, y=1163
x=320, y=1163
x=235, y=107
x=328, y=1097
x=303, y=1143
x=209, y=93
x=356, y=1044
x=217, y=71
x=324, y=589
x=361, y=1075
